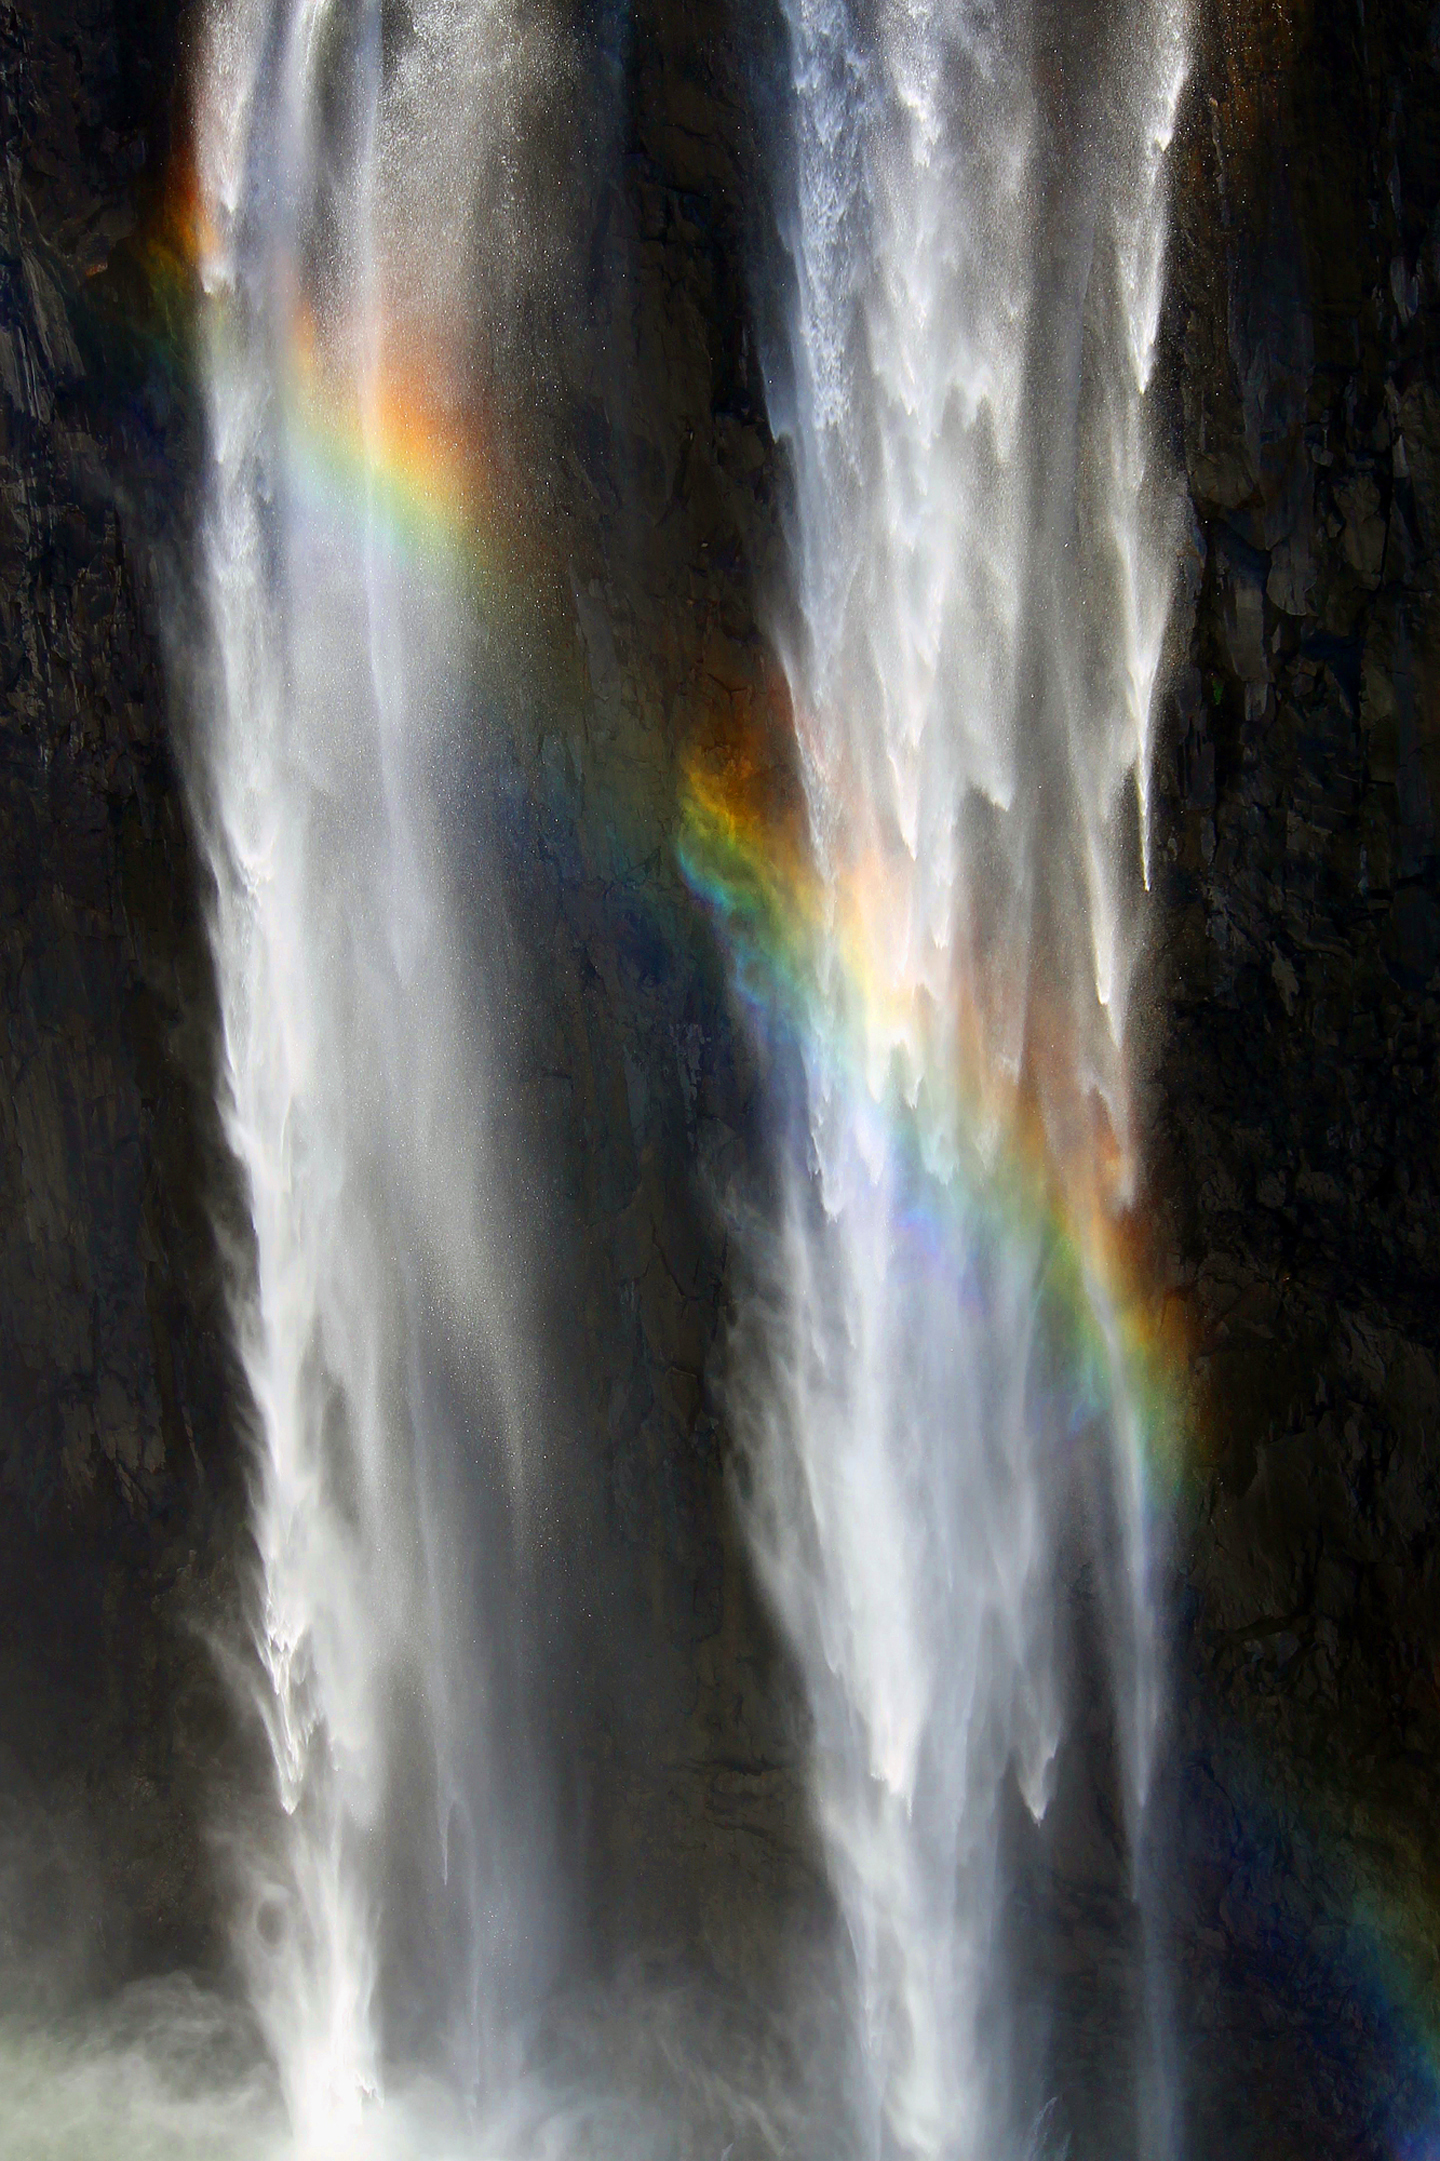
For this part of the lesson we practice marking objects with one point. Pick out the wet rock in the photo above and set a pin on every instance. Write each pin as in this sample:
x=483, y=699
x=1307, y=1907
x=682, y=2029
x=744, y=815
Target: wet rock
x=1300, y=1051
x=1242, y=573
x=119, y=1469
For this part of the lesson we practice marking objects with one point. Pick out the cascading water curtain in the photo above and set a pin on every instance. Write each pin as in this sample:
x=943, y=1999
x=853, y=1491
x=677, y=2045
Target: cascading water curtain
x=336, y=172
x=938, y=1370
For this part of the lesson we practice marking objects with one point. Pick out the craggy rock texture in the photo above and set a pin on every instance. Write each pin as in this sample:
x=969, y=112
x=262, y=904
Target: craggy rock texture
x=117, y=1456
x=661, y=499
x=1297, y=1065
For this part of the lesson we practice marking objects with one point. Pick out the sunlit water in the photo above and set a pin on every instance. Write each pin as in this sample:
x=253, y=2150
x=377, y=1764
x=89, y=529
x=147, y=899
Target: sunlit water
x=948, y=1434
x=932, y=1369
x=394, y=1908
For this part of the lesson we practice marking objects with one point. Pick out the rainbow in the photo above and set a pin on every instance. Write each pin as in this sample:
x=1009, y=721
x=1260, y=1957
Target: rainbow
x=743, y=854
x=396, y=443
x=412, y=461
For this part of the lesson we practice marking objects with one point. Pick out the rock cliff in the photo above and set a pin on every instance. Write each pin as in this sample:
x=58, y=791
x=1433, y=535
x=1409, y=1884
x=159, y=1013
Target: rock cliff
x=119, y=1473
x=1295, y=1067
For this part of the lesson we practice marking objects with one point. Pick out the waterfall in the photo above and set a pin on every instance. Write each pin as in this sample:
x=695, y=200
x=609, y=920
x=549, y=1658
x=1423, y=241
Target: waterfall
x=936, y=1369
x=938, y=1375
x=335, y=183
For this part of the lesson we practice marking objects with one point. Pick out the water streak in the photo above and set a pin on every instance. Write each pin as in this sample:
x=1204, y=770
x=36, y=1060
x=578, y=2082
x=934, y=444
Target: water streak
x=385, y=1917
x=934, y=1370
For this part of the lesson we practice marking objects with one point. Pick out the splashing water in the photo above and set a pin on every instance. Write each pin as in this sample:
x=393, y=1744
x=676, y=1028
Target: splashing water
x=938, y=1370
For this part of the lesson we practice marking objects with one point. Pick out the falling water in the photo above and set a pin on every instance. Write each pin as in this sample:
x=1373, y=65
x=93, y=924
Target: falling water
x=336, y=186
x=934, y=1373
x=938, y=1374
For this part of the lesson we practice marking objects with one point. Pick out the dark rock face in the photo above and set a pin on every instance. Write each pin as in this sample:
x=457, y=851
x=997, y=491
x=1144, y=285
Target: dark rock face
x=1292, y=1068
x=661, y=485
x=119, y=1471
x=1296, y=1068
